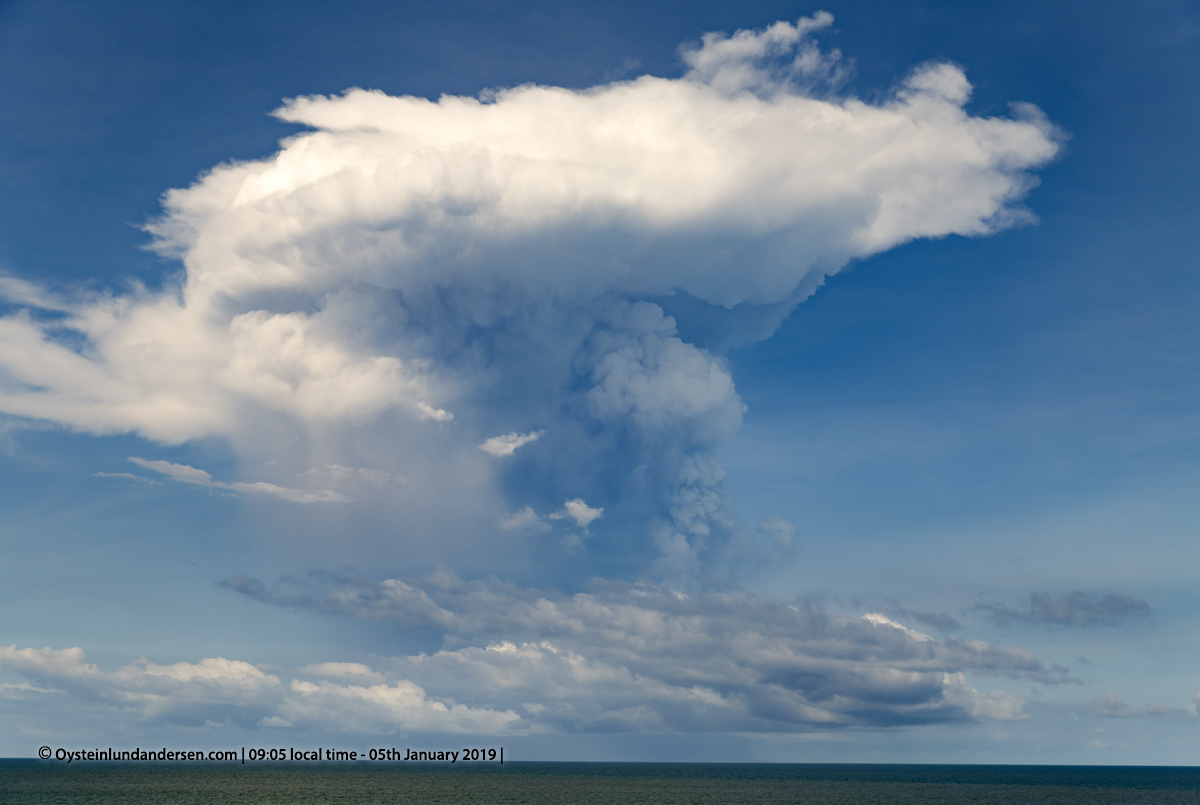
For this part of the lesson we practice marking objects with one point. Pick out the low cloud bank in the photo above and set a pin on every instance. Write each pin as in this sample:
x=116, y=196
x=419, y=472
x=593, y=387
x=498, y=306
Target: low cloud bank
x=641, y=657
x=215, y=691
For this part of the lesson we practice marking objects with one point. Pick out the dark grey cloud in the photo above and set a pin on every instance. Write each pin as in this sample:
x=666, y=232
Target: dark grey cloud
x=1071, y=609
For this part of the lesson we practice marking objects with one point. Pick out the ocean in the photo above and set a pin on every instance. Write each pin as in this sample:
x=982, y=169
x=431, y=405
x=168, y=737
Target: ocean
x=25, y=782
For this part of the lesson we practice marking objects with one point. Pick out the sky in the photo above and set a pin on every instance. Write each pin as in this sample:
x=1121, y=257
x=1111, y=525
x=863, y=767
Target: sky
x=635, y=381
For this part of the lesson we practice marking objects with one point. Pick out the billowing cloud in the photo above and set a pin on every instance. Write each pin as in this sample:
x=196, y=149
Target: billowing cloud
x=406, y=278
x=641, y=657
x=1071, y=609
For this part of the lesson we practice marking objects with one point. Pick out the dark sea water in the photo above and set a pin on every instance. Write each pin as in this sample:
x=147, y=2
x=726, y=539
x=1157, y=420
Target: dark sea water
x=32, y=781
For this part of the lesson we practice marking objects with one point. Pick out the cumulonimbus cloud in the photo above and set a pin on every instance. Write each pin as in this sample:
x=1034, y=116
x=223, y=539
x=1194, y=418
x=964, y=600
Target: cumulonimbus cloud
x=439, y=271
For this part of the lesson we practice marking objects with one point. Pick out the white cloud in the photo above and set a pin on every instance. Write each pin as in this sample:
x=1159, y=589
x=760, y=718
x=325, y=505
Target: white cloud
x=508, y=444
x=137, y=479
x=525, y=519
x=427, y=411
x=583, y=514
x=743, y=61
x=884, y=620
x=20, y=292
x=20, y=690
x=190, y=475
x=215, y=690
x=406, y=276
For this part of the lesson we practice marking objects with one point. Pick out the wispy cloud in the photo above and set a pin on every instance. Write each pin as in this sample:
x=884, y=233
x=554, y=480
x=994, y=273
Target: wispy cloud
x=22, y=690
x=1071, y=609
x=190, y=475
x=1108, y=705
x=942, y=621
x=509, y=443
x=524, y=520
x=129, y=476
x=780, y=531
x=339, y=473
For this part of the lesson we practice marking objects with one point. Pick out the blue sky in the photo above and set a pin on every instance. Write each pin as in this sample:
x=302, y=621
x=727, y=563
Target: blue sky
x=827, y=412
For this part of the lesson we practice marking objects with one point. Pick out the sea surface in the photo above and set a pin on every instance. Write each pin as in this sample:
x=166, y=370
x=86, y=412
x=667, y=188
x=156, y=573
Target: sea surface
x=25, y=782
